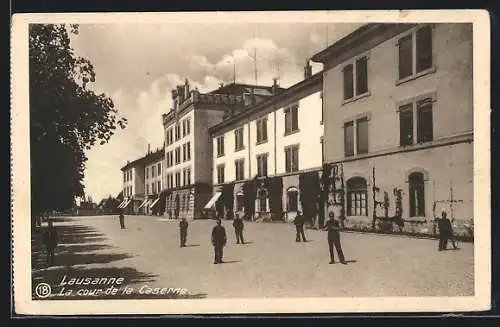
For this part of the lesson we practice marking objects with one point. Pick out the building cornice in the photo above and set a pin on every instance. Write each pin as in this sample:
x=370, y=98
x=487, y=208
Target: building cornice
x=316, y=79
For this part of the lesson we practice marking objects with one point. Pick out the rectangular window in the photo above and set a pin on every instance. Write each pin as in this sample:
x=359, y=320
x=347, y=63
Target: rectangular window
x=415, y=52
x=292, y=158
x=349, y=139
x=188, y=177
x=424, y=121
x=159, y=169
x=291, y=119
x=186, y=149
x=405, y=56
x=356, y=203
x=220, y=146
x=153, y=187
x=178, y=179
x=178, y=155
x=220, y=174
x=239, y=168
x=159, y=186
x=262, y=165
x=238, y=139
x=322, y=149
x=261, y=130
x=361, y=75
x=348, y=82
x=177, y=132
x=424, y=48
x=406, y=125
x=171, y=134
x=147, y=188
x=362, y=135
x=124, y=177
x=153, y=171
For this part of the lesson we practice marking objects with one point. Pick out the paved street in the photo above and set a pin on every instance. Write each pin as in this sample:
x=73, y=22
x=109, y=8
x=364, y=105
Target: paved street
x=271, y=265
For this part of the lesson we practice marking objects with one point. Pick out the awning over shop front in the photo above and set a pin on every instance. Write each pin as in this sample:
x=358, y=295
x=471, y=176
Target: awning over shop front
x=154, y=203
x=127, y=202
x=145, y=202
x=122, y=203
x=212, y=201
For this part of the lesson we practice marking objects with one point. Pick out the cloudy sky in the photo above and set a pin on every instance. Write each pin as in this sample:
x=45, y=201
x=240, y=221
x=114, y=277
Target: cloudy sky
x=137, y=65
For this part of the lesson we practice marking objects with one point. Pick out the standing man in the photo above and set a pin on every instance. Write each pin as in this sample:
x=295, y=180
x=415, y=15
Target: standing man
x=183, y=226
x=444, y=230
x=299, y=227
x=122, y=219
x=333, y=228
x=238, y=228
x=50, y=240
x=218, y=241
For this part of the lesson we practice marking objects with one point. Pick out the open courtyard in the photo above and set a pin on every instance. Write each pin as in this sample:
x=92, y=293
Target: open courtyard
x=147, y=255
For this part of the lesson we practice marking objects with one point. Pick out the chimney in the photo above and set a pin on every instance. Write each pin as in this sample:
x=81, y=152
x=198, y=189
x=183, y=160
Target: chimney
x=186, y=89
x=221, y=85
x=307, y=70
x=149, y=148
x=180, y=92
x=275, y=86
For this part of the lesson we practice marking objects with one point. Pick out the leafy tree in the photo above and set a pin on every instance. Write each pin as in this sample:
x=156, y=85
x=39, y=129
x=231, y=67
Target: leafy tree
x=66, y=117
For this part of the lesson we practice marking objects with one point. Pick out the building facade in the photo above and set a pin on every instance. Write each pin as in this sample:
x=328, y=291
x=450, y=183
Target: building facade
x=142, y=183
x=187, y=172
x=398, y=109
x=260, y=155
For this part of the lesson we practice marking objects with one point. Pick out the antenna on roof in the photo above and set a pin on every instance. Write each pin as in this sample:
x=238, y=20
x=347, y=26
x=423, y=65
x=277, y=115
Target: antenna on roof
x=234, y=71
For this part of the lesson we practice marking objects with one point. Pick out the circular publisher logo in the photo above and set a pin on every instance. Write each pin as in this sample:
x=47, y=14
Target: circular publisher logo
x=43, y=290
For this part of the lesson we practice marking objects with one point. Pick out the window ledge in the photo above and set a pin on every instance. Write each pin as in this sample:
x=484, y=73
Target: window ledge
x=417, y=75
x=239, y=149
x=260, y=142
x=220, y=155
x=291, y=132
x=356, y=98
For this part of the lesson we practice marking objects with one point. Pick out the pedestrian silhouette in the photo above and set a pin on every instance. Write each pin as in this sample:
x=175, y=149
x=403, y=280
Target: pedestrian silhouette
x=333, y=228
x=50, y=240
x=219, y=240
x=122, y=220
x=299, y=227
x=238, y=228
x=445, y=231
x=183, y=226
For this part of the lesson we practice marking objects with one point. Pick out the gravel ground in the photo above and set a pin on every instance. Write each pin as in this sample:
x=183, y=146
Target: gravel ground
x=271, y=265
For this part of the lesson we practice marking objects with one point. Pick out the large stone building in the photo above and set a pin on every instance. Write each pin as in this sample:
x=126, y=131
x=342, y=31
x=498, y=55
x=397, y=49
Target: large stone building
x=187, y=171
x=261, y=155
x=142, y=184
x=398, y=112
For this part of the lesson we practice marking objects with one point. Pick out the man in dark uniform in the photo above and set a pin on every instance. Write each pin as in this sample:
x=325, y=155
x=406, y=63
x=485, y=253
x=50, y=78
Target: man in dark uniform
x=50, y=240
x=218, y=241
x=445, y=230
x=183, y=226
x=333, y=228
x=238, y=228
x=122, y=220
x=299, y=227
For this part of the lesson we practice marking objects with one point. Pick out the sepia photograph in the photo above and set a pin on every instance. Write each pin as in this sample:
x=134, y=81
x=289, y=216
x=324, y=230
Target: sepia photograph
x=251, y=162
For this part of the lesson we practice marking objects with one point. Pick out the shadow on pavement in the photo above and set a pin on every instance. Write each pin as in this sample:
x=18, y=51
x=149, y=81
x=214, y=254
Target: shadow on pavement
x=191, y=245
x=230, y=261
x=79, y=245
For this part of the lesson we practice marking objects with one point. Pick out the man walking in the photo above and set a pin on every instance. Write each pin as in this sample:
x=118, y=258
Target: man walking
x=445, y=230
x=238, y=228
x=122, y=220
x=218, y=241
x=299, y=227
x=333, y=228
x=50, y=240
x=183, y=226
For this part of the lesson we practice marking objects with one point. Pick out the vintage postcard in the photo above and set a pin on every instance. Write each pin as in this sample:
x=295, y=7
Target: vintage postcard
x=251, y=162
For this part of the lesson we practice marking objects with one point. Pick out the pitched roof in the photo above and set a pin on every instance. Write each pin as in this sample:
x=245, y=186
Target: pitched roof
x=146, y=159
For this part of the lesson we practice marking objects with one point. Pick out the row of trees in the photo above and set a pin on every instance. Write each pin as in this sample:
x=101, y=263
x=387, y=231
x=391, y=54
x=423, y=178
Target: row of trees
x=67, y=118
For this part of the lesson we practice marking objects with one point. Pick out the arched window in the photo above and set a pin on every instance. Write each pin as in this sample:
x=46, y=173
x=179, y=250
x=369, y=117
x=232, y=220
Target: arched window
x=356, y=197
x=262, y=200
x=184, y=202
x=240, y=201
x=417, y=194
x=292, y=202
